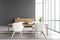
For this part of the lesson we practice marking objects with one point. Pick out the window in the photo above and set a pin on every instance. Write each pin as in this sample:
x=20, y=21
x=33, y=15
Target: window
x=51, y=14
x=38, y=9
x=50, y=11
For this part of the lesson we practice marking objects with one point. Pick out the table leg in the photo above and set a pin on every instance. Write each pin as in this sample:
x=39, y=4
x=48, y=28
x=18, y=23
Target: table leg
x=46, y=29
x=8, y=29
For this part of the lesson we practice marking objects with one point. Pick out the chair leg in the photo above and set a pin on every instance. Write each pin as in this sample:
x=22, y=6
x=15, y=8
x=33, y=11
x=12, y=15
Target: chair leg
x=36, y=34
x=43, y=34
x=12, y=34
x=21, y=34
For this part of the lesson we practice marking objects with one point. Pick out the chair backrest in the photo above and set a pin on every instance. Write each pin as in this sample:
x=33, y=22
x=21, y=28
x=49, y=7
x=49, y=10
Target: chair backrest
x=17, y=26
x=38, y=26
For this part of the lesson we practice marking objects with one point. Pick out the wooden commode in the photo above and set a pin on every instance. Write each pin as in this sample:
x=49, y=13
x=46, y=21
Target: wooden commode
x=27, y=22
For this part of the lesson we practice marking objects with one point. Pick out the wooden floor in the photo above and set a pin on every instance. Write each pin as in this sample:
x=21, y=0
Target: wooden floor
x=27, y=36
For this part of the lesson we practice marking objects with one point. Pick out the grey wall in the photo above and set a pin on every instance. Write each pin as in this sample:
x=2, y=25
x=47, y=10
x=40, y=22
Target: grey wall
x=10, y=9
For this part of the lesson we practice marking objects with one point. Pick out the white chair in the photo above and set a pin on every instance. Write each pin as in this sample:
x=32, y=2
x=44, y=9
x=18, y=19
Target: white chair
x=39, y=28
x=17, y=27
